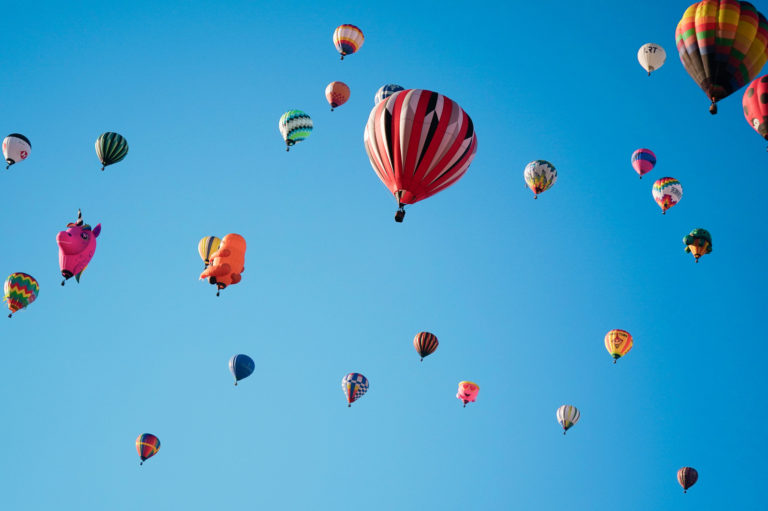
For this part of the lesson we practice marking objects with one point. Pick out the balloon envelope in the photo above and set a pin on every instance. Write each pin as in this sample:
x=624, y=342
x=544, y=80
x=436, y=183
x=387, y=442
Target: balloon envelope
x=386, y=91
x=539, y=176
x=147, y=446
x=468, y=392
x=16, y=147
x=651, y=57
x=567, y=416
x=111, y=148
x=354, y=385
x=667, y=192
x=618, y=343
x=687, y=477
x=19, y=291
x=207, y=246
x=755, y=103
x=698, y=242
x=419, y=143
x=241, y=366
x=337, y=93
x=425, y=343
x=722, y=45
x=347, y=39
x=294, y=126
x=643, y=161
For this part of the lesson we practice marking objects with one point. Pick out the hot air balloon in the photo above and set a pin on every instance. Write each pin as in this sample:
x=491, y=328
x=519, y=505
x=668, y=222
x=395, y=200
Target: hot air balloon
x=19, y=291
x=147, y=446
x=111, y=148
x=643, y=161
x=687, y=477
x=206, y=247
x=16, y=147
x=425, y=344
x=467, y=392
x=667, y=192
x=419, y=143
x=618, y=343
x=386, y=91
x=337, y=93
x=651, y=57
x=294, y=126
x=227, y=263
x=698, y=243
x=354, y=385
x=347, y=39
x=722, y=44
x=567, y=416
x=539, y=175
x=241, y=367
x=755, y=103
x=77, y=245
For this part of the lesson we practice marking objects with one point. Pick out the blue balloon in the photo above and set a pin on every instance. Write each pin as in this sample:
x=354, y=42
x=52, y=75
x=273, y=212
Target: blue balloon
x=241, y=367
x=386, y=91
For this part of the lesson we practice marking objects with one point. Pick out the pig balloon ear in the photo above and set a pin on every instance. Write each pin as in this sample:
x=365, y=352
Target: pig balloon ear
x=97, y=230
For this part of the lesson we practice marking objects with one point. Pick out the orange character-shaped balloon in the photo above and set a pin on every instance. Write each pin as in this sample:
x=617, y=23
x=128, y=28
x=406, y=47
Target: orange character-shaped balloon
x=227, y=263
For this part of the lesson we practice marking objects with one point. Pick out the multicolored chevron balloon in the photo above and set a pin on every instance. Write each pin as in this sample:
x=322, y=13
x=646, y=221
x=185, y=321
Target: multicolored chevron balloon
x=19, y=290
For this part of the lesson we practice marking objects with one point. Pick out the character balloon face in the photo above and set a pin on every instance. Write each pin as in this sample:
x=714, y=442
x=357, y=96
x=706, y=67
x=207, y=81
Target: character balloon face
x=468, y=392
x=77, y=245
x=227, y=263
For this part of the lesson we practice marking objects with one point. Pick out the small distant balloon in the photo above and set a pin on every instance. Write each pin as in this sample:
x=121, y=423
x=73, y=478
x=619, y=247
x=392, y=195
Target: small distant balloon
x=16, y=147
x=147, y=446
x=294, y=126
x=207, y=246
x=667, y=192
x=386, y=91
x=468, y=392
x=354, y=385
x=539, y=175
x=347, y=39
x=687, y=477
x=227, y=263
x=618, y=343
x=337, y=93
x=651, y=57
x=111, y=148
x=643, y=161
x=19, y=291
x=241, y=366
x=567, y=416
x=698, y=242
x=425, y=343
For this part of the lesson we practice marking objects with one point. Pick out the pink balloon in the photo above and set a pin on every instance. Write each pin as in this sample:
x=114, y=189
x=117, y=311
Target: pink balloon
x=76, y=247
x=468, y=392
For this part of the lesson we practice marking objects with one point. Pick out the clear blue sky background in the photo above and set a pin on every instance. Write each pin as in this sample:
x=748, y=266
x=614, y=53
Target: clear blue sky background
x=519, y=292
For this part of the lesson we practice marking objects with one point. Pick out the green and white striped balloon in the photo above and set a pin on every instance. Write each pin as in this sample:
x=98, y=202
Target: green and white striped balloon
x=111, y=148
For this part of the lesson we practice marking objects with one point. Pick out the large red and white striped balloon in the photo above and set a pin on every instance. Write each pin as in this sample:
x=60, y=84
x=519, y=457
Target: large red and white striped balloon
x=419, y=143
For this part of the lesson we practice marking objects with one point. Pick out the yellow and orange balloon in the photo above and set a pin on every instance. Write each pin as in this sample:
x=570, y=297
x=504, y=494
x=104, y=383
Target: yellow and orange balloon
x=337, y=93
x=618, y=343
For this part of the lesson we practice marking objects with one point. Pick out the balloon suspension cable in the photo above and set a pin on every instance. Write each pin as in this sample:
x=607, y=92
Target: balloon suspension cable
x=8, y=166
x=697, y=259
x=218, y=292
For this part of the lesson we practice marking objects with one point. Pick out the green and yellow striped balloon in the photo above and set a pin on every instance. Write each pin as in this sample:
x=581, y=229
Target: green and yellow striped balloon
x=111, y=148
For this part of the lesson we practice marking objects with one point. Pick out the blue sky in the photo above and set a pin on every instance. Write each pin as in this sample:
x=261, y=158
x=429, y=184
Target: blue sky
x=519, y=292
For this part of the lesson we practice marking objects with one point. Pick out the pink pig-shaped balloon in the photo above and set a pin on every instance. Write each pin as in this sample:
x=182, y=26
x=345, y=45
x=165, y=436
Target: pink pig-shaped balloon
x=76, y=247
x=468, y=392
